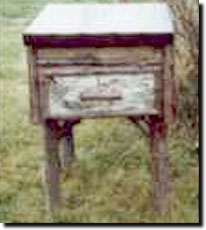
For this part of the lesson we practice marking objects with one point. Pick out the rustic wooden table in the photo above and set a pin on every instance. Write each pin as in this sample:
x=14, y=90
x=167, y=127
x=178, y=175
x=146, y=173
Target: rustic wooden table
x=102, y=60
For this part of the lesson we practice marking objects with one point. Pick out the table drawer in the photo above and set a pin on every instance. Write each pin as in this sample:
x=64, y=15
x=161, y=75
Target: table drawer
x=102, y=95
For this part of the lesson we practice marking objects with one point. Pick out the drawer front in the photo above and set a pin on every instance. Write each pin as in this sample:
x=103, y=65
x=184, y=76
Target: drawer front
x=102, y=95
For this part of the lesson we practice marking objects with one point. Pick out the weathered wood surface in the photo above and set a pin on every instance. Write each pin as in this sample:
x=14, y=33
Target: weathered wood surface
x=40, y=91
x=100, y=96
x=55, y=132
x=106, y=60
x=139, y=121
x=84, y=62
x=98, y=25
x=169, y=91
x=115, y=55
x=68, y=141
x=99, y=41
x=95, y=114
x=53, y=163
x=155, y=128
x=159, y=91
x=134, y=93
x=159, y=164
x=33, y=85
x=138, y=38
x=44, y=86
x=104, y=70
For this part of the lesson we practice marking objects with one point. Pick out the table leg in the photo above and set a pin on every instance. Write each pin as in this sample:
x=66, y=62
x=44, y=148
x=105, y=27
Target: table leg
x=68, y=154
x=160, y=165
x=52, y=164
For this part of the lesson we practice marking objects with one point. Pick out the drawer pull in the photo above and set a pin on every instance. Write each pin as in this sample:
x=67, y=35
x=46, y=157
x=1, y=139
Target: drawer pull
x=100, y=96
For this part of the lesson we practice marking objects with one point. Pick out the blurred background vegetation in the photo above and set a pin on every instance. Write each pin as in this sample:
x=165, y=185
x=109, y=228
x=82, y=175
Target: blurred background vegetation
x=110, y=181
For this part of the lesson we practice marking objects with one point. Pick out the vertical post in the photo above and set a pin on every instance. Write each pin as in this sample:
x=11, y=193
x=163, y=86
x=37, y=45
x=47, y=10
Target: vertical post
x=33, y=85
x=44, y=95
x=169, y=88
x=160, y=165
x=52, y=164
x=68, y=154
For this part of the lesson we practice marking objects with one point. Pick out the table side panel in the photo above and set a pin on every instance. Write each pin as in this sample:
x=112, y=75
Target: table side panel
x=110, y=55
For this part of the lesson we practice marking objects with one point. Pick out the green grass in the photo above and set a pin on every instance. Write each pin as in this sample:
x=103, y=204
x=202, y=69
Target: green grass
x=110, y=182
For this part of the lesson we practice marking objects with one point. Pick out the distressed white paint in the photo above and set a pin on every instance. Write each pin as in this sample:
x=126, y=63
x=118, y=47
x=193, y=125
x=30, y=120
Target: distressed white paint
x=75, y=19
x=136, y=92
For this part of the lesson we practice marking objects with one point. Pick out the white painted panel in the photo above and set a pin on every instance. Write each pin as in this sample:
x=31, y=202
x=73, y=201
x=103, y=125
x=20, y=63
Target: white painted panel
x=128, y=91
x=72, y=19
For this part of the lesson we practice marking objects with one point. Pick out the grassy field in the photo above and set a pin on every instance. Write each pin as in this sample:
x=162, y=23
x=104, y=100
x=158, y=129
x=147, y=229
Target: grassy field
x=110, y=181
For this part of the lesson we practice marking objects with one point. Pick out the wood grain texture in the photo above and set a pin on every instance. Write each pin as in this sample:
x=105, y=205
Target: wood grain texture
x=52, y=167
x=97, y=94
x=87, y=70
x=159, y=91
x=44, y=96
x=169, y=92
x=68, y=141
x=159, y=162
x=89, y=61
x=101, y=114
x=33, y=85
x=112, y=55
x=102, y=40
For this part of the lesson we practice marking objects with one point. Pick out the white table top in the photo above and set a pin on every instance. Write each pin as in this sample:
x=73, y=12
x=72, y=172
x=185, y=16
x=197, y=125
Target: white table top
x=88, y=19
